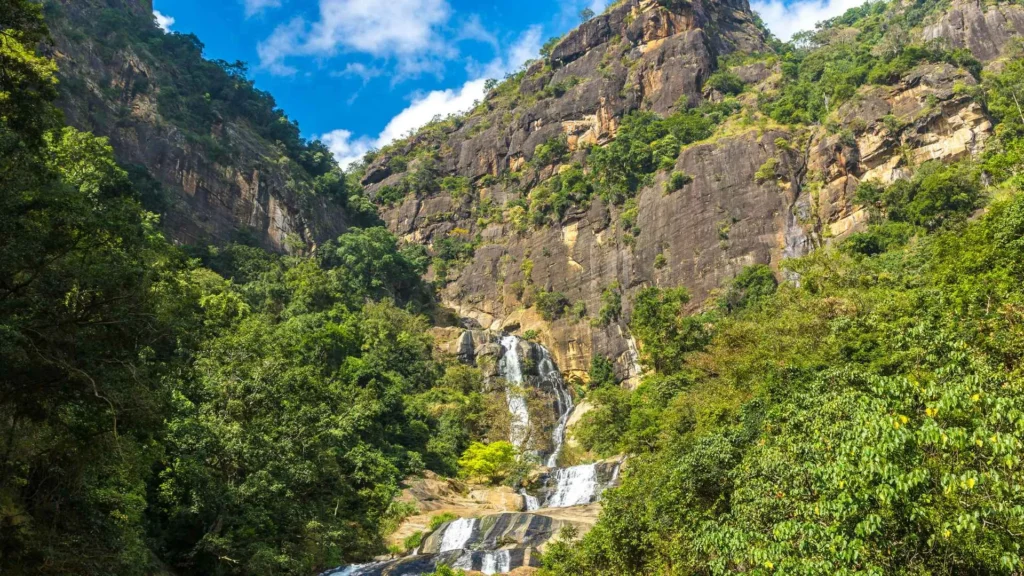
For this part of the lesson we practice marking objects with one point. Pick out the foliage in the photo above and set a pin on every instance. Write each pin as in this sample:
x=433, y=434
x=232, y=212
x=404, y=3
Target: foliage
x=753, y=285
x=488, y=462
x=602, y=372
x=660, y=322
x=611, y=306
x=552, y=305
x=937, y=195
x=676, y=181
x=871, y=44
x=644, y=143
x=866, y=420
x=203, y=410
x=725, y=82
x=441, y=519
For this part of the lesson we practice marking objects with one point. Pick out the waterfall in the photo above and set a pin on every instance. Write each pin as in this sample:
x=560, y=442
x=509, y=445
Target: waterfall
x=564, y=403
x=511, y=370
x=532, y=503
x=634, y=357
x=457, y=534
x=575, y=486
x=498, y=562
x=355, y=569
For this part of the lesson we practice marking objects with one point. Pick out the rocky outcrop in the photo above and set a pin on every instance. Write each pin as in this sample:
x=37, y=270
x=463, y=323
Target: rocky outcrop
x=706, y=233
x=758, y=195
x=241, y=187
x=987, y=31
x=930, y=114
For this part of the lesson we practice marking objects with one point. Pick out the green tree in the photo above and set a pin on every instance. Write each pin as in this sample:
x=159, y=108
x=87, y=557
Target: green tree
x=666, y=331
x=490, y=462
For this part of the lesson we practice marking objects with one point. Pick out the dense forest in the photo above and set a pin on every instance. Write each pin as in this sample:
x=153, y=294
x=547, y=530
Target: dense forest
x=183, y=409
x=208, y=411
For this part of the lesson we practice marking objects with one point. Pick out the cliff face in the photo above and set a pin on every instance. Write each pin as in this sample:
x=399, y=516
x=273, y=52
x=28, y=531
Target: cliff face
x=221, y=183
x=987, y=31
x=759, y=193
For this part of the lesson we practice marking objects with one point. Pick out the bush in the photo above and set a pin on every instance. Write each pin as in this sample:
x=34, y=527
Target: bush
x=552, y=305
x=725, y=82
x=611, y=306
x=488, y=462
x=676, y=181
x=754, y=284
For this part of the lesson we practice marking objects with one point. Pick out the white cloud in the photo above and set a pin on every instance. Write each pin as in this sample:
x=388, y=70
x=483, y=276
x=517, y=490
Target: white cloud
x=473, y=29
x=346, y=149
x=164, y=22
x=785, y=20
x=425, y=107
x=407, y=30
x=254, y=7
x=359, y=70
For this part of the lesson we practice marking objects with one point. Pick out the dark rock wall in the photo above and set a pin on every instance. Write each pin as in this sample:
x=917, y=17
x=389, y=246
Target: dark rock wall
x=251, y=192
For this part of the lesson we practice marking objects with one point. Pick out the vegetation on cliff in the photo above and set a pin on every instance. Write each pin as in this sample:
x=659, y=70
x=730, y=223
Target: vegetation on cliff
x=867, y=418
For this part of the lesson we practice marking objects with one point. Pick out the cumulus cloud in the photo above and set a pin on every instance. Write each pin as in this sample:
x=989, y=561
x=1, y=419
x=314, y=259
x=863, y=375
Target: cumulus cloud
x=786, y=19
x=254, y=7
x=164, y=22
x=349, y=149
x=406, y=30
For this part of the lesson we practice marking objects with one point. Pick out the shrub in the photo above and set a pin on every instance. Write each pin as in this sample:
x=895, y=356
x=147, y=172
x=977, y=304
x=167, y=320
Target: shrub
x=725, y=82
x=676, y=181
x=611, y=306
x=552, y=305
x=488, y=462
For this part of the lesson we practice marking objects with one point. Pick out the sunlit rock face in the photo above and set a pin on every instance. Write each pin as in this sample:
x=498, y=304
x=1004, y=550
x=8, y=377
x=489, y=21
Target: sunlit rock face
x=242, y=189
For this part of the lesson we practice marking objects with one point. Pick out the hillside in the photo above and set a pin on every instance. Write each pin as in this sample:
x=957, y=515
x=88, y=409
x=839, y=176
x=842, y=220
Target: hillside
x=222, y=162
x=531, y=196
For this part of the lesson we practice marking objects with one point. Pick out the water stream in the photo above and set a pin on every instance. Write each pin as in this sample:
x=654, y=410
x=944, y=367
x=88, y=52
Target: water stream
x=563, y=402
x=457, y=534
x=574, y=487
x=511, y=369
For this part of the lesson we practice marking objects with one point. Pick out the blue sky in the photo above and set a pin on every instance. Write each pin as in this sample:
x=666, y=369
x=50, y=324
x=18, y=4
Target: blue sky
x=360, y=73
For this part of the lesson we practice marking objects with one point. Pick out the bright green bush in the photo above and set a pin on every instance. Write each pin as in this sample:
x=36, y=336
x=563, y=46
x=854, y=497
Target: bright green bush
x=488, y=462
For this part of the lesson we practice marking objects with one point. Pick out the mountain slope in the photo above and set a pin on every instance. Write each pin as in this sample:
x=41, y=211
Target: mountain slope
x=222, y=162
x=539, y=202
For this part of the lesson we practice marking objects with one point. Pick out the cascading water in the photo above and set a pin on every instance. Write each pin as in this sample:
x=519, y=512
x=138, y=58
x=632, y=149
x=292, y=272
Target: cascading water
x=564, y=404
x=498, y=562
x=355, y=569
x=457, y=534
x=532, y=503
x=574, y=486
x=511, y=369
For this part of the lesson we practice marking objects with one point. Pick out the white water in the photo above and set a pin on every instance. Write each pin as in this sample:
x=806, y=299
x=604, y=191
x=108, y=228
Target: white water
x=511, y=370
x=575, y=486
x=457, y=534
x=564, y=403
x=532, y=503
x=498, y=562
x=355, y=569
x=636, y=370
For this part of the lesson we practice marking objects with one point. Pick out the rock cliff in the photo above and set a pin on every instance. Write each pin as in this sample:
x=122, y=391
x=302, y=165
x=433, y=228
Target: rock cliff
x=222, y=180
x=758, y=192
